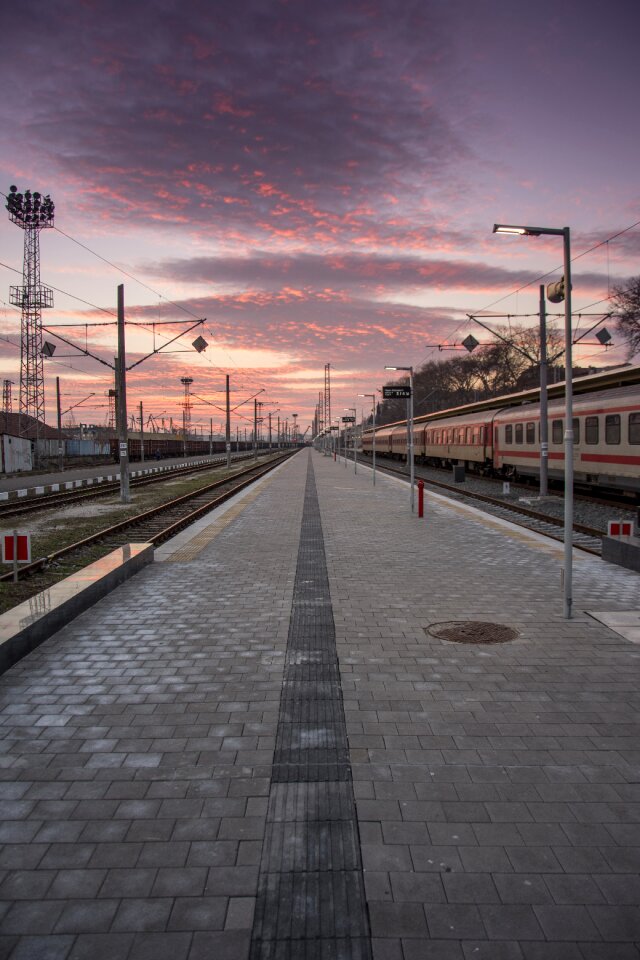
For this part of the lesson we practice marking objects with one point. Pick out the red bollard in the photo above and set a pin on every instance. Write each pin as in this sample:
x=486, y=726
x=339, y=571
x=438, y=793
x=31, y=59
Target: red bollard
x=421, y=498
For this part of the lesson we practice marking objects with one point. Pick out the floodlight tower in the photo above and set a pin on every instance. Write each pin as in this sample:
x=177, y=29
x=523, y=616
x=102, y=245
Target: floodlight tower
x=327, y=396
x=186, y=409
x=295, y=426
x=32, y=213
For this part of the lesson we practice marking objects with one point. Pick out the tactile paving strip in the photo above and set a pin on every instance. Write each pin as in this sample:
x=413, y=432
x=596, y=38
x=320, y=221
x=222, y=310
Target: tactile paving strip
x=311, y=903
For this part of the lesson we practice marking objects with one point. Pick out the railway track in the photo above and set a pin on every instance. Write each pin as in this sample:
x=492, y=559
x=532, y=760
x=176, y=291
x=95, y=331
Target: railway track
x=160, y=523
x=585, y=538
x=47, y=501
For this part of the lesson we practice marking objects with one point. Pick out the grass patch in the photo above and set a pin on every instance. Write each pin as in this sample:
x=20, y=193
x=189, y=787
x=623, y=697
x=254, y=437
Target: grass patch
x=59, y=527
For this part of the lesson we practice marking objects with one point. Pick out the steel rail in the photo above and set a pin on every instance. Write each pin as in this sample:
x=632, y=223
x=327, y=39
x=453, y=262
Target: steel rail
x=62, y=499
x=255, y=474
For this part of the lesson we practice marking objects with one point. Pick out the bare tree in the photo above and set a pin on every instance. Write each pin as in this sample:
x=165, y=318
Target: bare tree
x=627, y=300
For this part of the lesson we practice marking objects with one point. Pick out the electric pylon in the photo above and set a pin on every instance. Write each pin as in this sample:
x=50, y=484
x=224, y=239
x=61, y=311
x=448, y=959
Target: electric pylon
x=186, y=405
x=32, y=213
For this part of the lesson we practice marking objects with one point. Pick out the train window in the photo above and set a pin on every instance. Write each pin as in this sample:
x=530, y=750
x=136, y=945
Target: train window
x=612, y=428
x=508, y=433
x=634, y=428
x=591, y=430
x=519, y=432
x=531, y=433
x=556, y=431
x=576, y=430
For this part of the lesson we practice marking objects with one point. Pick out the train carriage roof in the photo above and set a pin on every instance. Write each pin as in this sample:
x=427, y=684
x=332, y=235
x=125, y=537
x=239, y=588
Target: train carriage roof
x=608, y=379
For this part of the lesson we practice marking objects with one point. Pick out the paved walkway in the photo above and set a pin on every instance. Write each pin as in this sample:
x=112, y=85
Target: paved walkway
x=487, y=806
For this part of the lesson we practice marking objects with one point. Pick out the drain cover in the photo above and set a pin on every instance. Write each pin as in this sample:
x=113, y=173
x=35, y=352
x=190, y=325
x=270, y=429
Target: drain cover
x=472, y=631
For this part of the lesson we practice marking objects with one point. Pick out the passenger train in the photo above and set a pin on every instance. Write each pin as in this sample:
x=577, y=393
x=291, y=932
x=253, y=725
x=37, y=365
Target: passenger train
x=502, y=436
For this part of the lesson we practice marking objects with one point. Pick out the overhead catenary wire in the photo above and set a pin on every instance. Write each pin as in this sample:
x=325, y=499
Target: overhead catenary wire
x=131, y=276
x=544, y=276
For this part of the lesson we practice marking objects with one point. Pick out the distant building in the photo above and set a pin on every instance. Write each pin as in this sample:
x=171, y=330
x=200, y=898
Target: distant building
x=18, y=436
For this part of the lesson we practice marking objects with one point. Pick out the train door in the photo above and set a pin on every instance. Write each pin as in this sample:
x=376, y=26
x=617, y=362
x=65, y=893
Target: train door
x=578, y=440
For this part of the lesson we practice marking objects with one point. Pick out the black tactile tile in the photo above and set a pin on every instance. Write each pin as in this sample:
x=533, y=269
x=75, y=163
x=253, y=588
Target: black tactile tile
x=312, y=845
x=307, y=690
x=311, y=902
x=309, y=771
x=310, y=801
x=312, y=653
x=310, y=736
x=311, y=672
x=319, y=904
x=311, y=711
x=349, y=948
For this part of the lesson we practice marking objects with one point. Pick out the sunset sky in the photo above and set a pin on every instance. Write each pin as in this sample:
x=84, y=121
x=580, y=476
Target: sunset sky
x=317, y=180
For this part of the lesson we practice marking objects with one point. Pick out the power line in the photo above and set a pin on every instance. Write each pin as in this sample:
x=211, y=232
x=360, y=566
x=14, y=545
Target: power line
x=544, y=276
x=156, y=293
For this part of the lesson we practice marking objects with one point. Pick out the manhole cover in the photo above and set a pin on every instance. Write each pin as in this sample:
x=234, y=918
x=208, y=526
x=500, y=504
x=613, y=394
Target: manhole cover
x=472, y=631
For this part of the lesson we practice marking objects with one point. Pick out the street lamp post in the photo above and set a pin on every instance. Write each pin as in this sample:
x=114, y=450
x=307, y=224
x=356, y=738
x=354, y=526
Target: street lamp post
x=372, y=397
x=565, y=233
x=409, y=370
x=353, y=410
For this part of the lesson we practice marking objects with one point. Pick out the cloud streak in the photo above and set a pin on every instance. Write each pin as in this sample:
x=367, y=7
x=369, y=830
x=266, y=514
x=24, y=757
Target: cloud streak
x=346, y=272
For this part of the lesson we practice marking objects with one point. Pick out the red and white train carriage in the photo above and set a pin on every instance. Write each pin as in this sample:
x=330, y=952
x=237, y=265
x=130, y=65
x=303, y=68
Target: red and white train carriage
x=503, y=436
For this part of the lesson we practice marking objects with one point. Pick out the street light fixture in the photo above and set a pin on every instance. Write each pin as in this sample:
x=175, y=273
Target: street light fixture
x=409, y=434
x=372, y=397
x=565, y=233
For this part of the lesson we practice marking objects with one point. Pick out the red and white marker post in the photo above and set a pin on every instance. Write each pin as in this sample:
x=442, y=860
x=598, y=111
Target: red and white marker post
x=16, y=548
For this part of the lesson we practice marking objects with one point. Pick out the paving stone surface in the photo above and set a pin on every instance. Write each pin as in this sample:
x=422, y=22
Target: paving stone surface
x=497, y=787
x=136, y=753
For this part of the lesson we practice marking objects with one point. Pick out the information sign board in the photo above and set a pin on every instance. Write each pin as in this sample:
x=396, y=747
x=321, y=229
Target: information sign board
x=348, y=419
x=396, y=393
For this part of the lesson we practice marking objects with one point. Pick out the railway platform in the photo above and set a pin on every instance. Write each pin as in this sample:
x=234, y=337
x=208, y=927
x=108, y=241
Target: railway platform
x=261, y=746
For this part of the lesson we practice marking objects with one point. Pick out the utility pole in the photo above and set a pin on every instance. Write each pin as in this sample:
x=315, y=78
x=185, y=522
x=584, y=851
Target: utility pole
x=60, y=440
x=121, y=372
x=269, y=431
x=227, y=435
x=210, y=435
x=141, y=435
x=255, y=429
x=544, y=419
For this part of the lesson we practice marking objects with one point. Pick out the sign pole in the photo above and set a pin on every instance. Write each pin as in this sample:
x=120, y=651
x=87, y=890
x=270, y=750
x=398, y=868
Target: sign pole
x=125, y=496
x=15, y=556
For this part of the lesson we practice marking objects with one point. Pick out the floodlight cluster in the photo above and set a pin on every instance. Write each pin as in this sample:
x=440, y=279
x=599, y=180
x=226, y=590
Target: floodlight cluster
x=30, y=209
